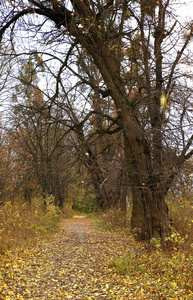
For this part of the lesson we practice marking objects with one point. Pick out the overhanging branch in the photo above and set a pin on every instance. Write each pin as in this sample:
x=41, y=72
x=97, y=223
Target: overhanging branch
x=13, y=20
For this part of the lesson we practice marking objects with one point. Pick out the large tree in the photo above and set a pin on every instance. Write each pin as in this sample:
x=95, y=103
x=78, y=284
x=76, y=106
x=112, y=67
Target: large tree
x=98, y=134
x=139, y=49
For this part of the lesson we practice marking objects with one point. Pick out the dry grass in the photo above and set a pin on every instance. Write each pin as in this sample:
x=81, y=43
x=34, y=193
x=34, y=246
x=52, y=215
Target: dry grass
x=164, y=270
x=22, y=223
x=182, y=217
x=114, y=220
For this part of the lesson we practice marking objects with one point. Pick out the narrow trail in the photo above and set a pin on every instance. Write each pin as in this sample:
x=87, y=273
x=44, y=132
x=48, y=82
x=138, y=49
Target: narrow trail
x=75, y=265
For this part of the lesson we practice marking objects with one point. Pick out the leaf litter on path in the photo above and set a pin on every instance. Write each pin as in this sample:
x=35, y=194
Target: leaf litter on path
x=74, y=265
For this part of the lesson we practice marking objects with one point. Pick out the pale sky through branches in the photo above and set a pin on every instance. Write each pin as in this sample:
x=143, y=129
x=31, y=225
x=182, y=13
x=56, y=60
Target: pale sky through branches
x=185, y=9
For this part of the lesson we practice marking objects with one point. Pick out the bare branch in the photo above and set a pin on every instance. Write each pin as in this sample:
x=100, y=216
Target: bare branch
x=13, y=20
x=189, y=143
x=177, y=59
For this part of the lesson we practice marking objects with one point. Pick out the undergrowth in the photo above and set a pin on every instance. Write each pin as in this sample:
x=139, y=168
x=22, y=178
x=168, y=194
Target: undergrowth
x=22, y=224
x=160, y=273
x=164, y=270
x=113, y=220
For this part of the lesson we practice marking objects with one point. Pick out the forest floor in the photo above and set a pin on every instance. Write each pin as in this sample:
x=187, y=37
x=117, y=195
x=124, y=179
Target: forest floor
x=77, y=264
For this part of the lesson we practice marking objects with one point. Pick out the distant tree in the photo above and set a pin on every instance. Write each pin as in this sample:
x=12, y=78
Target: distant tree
x=6, y=168
x=40, y=144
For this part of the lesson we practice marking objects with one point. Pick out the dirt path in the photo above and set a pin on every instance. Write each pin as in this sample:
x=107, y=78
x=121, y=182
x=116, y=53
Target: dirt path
x=75, y=265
